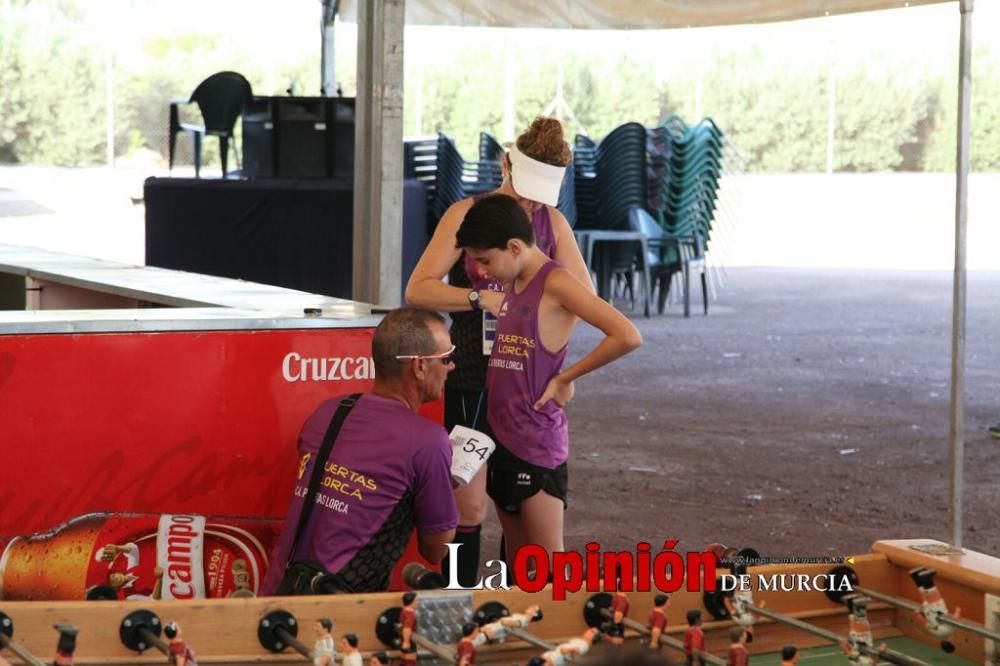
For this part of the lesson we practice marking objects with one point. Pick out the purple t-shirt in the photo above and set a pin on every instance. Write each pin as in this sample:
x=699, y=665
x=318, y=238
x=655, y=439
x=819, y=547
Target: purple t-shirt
x=389, y=471
x=520, y=369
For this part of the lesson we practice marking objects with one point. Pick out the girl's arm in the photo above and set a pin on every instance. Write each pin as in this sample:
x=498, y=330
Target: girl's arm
x=567, y=249
x=425, y=287
x=621, y=335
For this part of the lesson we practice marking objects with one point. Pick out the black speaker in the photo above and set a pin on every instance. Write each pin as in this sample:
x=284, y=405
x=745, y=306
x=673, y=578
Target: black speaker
x=299, y=137
x=342, y=137
x=302, y=136
x=258, y=139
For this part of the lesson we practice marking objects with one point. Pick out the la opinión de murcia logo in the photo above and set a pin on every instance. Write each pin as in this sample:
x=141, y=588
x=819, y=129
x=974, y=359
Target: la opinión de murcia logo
x=571, y=571
x=785, y=583
x=298, y=368
x=666, y=569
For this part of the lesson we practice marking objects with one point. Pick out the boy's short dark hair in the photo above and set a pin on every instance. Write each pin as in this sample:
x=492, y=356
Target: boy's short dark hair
x=468, y=628
x=352, y=640
x=493, y=221
x=326, y=623
x=408, y=598
x=789, y=652
x=660, y=599
x=736, y=633
x=381, y=657
x=693, y=616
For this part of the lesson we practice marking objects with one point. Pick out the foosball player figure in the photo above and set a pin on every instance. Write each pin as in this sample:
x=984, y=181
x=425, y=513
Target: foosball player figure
x=349, y=648
x=180, y=652
x=408, y=626
x=324, y=649
x=619, y=611
x=738, y=604
x=859, y=632
x=571, y=650
x=465, y=651
x=657, y=622
x=496, y=631
x=789, y=655
x=66, y=645
x=738, y=655
x=694, y=639
x=933, y=607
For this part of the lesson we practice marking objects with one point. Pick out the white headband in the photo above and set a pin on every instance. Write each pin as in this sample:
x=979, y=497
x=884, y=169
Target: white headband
x=535, y=180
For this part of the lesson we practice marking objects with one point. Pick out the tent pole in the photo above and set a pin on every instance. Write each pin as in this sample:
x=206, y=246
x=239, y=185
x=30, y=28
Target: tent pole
x=328, y=74
x=956, y=442
x=378, y=151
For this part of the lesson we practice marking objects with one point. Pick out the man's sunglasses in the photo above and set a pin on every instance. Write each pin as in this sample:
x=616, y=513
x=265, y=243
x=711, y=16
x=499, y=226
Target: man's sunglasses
x=444, y=357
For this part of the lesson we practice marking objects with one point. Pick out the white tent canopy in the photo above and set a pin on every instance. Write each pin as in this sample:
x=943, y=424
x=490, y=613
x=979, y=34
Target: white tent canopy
x=624, y=14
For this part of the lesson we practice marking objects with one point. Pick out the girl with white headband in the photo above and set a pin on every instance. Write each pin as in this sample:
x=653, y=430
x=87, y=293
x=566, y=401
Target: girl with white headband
x=533, y=174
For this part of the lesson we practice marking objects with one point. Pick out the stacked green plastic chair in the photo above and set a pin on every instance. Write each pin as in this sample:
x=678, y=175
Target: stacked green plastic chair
x=687, y=165
x=610, y=179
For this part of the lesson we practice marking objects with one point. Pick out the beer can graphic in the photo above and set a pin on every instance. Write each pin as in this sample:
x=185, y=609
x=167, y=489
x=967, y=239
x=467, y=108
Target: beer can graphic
x=138, y=556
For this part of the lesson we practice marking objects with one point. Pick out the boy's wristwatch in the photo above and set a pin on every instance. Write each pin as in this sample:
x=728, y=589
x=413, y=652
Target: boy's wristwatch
x=474, y=299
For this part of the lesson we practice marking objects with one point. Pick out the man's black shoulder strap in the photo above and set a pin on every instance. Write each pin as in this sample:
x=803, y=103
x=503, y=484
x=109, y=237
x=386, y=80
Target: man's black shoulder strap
x=317, y=475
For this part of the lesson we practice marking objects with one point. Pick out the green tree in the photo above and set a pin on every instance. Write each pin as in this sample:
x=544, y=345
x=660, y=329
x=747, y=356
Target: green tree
x=879, y=112
x=984, y=121
x=775, y=112
x=52, y=108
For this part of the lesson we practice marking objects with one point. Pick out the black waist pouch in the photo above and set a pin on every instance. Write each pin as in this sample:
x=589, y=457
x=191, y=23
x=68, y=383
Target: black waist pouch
x=306, y=577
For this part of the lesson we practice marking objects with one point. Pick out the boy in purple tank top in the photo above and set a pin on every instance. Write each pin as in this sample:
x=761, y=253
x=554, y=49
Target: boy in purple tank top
x=526, y=383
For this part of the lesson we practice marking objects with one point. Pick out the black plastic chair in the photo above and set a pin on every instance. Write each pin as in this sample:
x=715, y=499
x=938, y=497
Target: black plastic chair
x=220, y=99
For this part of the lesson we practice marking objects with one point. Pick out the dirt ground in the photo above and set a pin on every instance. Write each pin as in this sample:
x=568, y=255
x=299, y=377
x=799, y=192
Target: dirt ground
x=807, y=415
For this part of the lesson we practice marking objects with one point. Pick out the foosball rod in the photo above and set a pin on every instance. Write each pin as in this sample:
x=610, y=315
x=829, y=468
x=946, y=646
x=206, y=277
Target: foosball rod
x=888, y=655
x=19, y=650
x=435, y=649
x=293, y=642
x=669, y=641
x=944, y=619
x=530, y=638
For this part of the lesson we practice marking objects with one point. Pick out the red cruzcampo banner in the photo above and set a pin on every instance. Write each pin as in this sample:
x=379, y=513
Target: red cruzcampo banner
x=199, y=423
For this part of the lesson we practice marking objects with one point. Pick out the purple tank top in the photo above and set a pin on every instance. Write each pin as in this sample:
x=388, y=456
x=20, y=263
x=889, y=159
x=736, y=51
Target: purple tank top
x=520, y=369
x=467, y=327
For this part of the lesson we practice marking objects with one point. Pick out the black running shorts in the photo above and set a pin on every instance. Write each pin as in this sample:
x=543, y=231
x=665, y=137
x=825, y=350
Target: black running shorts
x=511, y=480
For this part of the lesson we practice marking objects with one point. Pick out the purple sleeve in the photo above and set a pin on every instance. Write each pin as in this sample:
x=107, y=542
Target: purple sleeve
x=434, y=500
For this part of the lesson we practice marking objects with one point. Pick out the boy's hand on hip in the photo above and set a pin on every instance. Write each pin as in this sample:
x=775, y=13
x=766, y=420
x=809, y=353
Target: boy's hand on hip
x=559, y=390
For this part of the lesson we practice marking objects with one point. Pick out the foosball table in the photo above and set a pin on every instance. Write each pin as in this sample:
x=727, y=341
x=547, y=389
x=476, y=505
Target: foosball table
x=908, y=602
